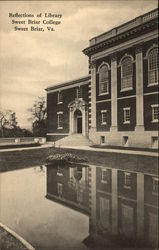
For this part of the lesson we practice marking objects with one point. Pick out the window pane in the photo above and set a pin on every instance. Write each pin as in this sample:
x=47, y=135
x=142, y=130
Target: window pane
x=153, y=66
x=103, y=79
x=60, y=97
x=127, y=73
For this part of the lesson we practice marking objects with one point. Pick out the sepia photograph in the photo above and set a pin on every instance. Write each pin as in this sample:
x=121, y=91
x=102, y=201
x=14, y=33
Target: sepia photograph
x=79, y=120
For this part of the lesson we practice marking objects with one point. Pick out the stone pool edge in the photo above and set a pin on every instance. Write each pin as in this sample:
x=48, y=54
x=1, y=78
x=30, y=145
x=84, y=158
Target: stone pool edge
x=18, y=237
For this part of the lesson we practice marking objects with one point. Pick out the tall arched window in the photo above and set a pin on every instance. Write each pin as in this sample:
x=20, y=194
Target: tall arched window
x=153, y=67
x=126, y=73
x=103, y=79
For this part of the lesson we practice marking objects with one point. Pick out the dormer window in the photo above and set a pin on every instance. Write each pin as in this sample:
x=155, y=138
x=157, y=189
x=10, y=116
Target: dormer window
x=103, y=79
x=59, y=98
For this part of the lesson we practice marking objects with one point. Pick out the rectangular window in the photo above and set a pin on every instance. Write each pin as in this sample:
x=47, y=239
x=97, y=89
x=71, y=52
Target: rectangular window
x=102, y=139
x=104, y=87
x=60, y=98
x=127, y=180
x=79, y=92
x=103, y=113
x=155, y=113
x=104, y=175
x=155, y=142
x=155, y=185
x=126, y=115
x=59, y=120
x=59, y=189
x=125, y=141
x=126, y=83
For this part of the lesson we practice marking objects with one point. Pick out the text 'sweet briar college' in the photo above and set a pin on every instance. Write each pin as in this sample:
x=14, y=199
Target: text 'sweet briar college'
x=117, y=103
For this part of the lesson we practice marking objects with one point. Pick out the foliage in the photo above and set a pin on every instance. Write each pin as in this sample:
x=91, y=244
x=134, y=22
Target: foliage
x=9, y=126
x=8, y=122
x=38, y=117
x=65, y=157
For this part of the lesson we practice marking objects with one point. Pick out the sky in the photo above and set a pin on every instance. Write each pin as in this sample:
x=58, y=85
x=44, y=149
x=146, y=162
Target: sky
x=32, y=60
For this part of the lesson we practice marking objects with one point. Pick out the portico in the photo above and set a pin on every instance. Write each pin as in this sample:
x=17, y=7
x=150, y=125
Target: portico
x=78, y=117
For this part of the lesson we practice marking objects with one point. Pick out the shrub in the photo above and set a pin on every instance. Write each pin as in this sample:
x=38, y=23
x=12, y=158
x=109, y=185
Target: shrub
x=64, y=158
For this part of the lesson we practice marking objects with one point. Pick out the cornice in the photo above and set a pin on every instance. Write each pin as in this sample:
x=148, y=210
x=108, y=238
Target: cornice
x=117, y=39
x=64, y=85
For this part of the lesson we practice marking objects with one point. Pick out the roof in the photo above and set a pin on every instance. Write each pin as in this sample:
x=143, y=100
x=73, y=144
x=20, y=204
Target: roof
x=68, y=83
x=118, y=30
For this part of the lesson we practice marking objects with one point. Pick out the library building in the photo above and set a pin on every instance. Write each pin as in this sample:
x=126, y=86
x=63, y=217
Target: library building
x=116, y=104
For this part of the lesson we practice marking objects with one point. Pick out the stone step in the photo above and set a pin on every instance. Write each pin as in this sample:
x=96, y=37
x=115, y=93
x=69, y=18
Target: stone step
x=74, y=140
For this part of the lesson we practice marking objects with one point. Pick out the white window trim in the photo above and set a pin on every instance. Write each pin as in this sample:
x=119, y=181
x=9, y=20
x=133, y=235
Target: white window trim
x=120, y=64
x=98, y=72
x=59, y=102
x=154, y=106
x=102, y=180
x=147, y=57
x=125, y=184
x=126, y=89
x=154, y=179
x=152, y=84
x=103, y=111
x=59, y=113
x=79, y=87
x=127, y=108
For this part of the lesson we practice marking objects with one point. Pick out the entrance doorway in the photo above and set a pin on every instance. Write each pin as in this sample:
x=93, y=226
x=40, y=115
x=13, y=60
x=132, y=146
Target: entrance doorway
x=79, y=125
x=78, y=121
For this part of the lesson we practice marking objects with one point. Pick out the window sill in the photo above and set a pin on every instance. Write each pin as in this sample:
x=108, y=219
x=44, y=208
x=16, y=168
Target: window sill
x=127, y=122
x=59, y=102
x=105, y=93
x=155, y=121
x=59, y=174
x=104, y=182
x=154, y=193
x=60, y=128
x=152, y=84
x=127, y=187
x=126, y=89
x=103, y=123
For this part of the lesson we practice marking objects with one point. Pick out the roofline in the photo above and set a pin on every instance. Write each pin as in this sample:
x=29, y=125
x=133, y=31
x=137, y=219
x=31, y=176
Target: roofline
x=71, y=82
x=115, y=32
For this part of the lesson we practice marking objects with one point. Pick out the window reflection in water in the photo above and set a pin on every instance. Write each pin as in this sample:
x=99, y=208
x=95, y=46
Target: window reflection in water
x=122, y=205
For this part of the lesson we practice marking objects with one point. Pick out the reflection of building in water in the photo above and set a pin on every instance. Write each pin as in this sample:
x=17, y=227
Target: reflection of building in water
x=69, y=186
x=123, y=205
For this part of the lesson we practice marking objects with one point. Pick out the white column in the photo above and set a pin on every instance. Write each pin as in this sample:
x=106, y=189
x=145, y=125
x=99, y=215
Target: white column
x=84, y=122
x=93, y=95
x=139, y=91
x=114, y=118
x=140, y=205
x=114, y=201
x=93, y=201
x=71, y=122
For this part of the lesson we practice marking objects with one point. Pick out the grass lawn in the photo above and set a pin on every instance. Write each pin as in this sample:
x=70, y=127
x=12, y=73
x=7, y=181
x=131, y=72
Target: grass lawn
x=37, y=156
x=125, y=148
x=8, y=242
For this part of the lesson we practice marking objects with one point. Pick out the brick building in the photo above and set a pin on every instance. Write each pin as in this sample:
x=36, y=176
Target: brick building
x=117, y=103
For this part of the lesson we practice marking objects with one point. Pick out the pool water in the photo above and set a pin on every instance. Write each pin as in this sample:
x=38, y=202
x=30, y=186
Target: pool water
x=79, y=207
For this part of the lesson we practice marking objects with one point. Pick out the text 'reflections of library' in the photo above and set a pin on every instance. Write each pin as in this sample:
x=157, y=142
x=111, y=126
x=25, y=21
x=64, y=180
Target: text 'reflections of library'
x=117, y=103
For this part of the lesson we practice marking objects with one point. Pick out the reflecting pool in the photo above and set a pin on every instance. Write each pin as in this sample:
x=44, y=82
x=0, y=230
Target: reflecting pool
x=79, y=207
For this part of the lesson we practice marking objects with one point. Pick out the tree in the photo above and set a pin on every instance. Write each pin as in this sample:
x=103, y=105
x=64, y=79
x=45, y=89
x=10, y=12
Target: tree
x=39, y=115
x=8, y=123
